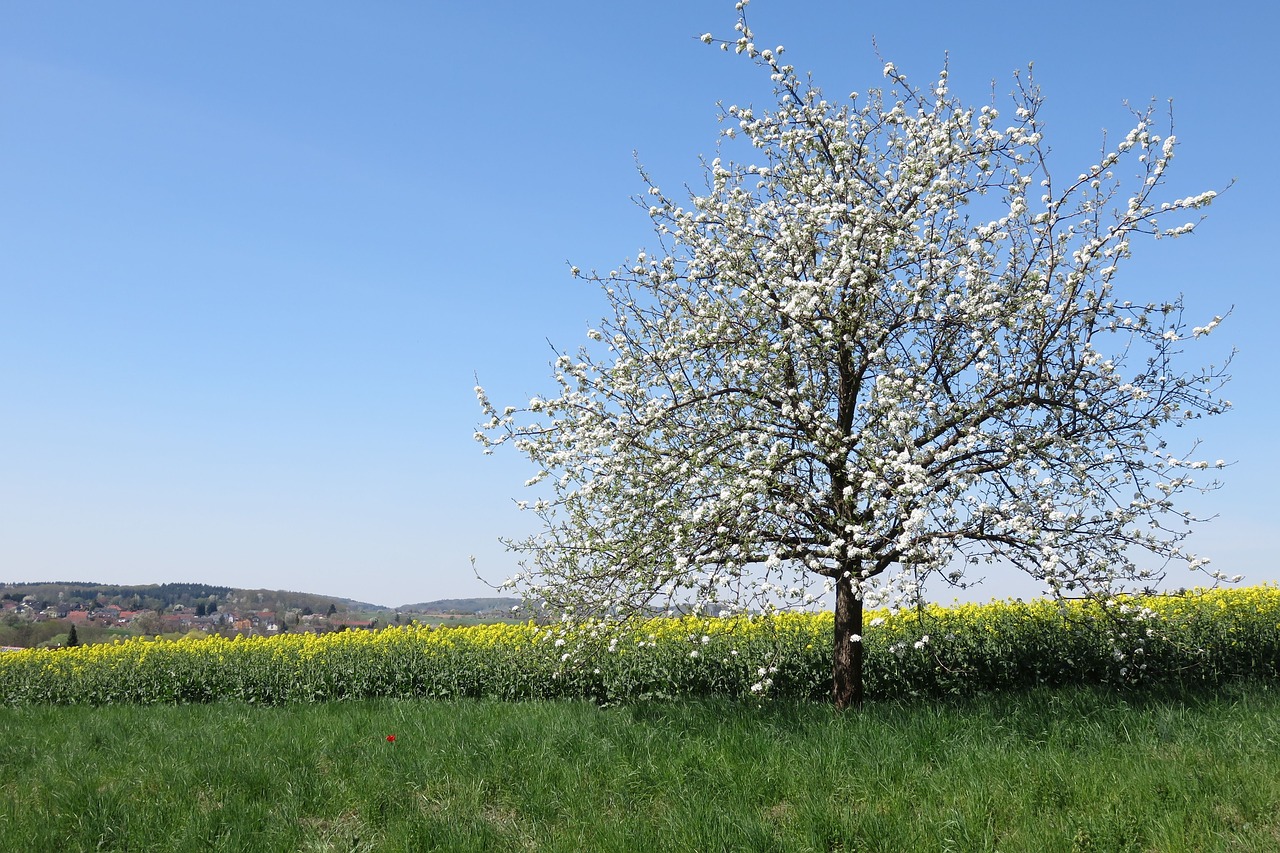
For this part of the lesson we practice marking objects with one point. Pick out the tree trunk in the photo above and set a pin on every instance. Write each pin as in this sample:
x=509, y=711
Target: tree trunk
x=846, y=675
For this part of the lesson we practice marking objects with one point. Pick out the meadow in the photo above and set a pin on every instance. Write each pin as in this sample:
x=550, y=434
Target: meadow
x=1050, y=769
x=1145, y=725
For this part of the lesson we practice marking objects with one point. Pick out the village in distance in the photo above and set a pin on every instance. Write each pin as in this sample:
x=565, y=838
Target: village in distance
x=68, y=613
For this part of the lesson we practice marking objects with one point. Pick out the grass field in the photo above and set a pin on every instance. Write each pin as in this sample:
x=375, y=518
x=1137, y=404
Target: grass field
x=1062, y=769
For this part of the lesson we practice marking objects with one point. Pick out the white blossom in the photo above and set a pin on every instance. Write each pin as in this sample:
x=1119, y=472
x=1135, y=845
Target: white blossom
x=868, y=357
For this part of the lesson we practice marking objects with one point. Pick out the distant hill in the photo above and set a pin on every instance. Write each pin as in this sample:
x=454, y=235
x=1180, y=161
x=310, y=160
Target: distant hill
x=462, y=606
x=168, y=595
x=279, y=599
x=165, y=596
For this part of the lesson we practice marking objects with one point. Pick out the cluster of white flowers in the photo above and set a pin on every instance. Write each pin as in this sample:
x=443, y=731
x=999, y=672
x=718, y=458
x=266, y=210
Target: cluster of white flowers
x=868, y=356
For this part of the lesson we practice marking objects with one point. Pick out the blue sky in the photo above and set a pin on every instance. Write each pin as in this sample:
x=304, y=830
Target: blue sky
x=252, y=255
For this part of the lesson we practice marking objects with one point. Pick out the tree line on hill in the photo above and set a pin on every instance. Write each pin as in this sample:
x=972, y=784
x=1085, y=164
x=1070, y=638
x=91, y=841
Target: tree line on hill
x=168, y=596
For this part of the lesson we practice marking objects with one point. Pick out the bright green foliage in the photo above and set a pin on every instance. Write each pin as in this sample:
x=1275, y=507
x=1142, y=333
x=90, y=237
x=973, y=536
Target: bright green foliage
x=1196, y=639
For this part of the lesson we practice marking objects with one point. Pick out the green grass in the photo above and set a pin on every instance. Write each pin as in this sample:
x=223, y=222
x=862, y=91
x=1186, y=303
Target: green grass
x=1067, y=769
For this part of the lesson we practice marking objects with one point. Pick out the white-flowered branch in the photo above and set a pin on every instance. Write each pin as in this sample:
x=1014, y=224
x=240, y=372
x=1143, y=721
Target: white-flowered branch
x=888, y=345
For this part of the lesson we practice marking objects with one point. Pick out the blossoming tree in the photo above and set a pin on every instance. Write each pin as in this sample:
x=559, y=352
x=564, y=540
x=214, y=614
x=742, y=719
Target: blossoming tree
x=890, y=344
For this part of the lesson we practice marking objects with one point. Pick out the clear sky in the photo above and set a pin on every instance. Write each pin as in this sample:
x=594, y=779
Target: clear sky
x=252, y=255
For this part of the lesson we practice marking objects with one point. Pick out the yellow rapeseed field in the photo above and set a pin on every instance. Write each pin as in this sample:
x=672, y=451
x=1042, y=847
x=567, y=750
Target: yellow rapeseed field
x=1199, y=637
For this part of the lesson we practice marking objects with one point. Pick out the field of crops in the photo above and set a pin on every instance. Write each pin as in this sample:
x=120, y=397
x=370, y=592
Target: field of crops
x=1179, y=641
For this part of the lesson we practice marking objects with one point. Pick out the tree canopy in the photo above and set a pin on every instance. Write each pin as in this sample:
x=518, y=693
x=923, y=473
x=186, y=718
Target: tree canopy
x=888, y=343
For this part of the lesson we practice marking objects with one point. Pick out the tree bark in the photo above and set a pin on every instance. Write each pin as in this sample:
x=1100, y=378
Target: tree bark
x=846, y=675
